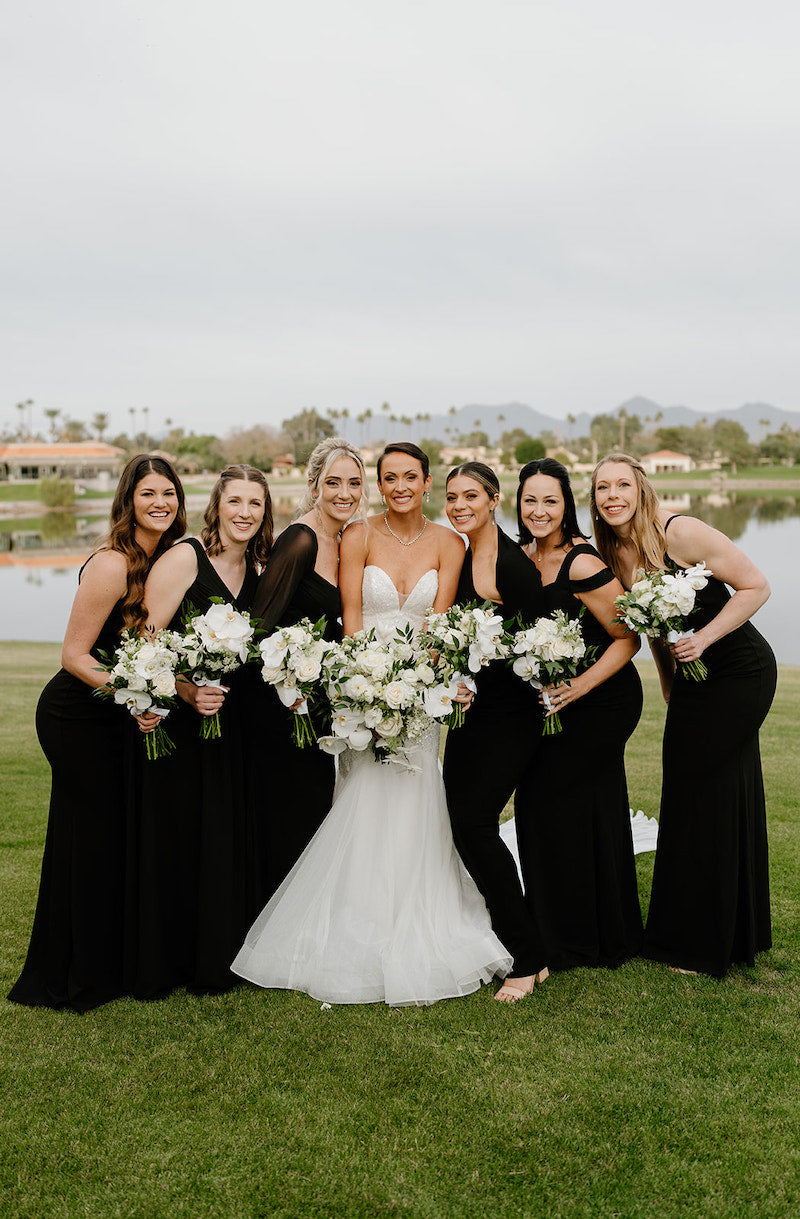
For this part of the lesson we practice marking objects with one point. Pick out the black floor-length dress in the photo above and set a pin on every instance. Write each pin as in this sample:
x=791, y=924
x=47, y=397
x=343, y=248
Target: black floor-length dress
x=486, y=757
x=289, y=790
x=75, y=954
x=192, y=884
x=709, y=907
x=572, y=812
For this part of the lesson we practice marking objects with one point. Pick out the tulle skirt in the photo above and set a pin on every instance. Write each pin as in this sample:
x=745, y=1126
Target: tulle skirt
x=379, y=907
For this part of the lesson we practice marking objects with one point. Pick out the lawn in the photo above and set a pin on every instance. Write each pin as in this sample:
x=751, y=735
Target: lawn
x=628, y=1093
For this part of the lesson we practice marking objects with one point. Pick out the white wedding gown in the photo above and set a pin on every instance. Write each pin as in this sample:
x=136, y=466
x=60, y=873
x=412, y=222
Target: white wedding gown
x=379, y=906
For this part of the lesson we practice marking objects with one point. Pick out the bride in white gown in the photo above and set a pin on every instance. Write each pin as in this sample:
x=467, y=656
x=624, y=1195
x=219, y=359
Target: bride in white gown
x=379, y=906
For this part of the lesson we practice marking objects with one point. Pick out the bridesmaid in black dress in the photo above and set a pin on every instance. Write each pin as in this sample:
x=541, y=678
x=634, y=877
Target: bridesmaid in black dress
x=76, y=949
x=710, y=902
x=501, y=734
x=573, y=818
x=290, y=791
x=192, y=883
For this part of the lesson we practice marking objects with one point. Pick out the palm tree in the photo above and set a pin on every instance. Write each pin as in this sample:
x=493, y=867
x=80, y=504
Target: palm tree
x=22, y=407
x=52, y=414
x=99, y=423
x=132, y=413
x=146, y=413
x=571, y=422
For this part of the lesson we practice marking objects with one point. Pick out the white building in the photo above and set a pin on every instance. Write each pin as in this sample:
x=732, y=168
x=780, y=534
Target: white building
x=667, y=462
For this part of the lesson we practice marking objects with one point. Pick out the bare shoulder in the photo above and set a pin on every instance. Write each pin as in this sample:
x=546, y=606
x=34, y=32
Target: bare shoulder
x=451, y=544
x=106, y=569
x=583, y=566
x=179, y=560
x=688, y=536
x=355, y=535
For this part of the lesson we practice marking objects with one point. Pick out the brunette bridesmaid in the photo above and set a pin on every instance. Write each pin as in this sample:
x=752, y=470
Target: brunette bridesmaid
x=75, y=958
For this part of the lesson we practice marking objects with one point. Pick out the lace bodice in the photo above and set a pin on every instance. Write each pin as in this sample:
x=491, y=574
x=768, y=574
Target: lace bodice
x=383, y=608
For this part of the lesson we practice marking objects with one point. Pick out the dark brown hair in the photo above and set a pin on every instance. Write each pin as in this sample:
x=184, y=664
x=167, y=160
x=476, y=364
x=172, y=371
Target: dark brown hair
x=122, y=531
x=411, y=450
x=481, y=473
x=260, y=544
x=553, y=469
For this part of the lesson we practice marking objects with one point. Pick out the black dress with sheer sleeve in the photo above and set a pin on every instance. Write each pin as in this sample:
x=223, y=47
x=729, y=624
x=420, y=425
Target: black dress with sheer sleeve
x=75, y=954
x=289, y=790
x=709, y=907
x=192, y=882
x=487, y=756
x=572, y=812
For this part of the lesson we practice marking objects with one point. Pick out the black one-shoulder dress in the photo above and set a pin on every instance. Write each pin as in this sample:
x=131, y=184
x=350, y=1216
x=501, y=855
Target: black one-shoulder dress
x=487, y=756
x=572, y=812
x=75, y=954
x=192, y=884
x=709, y=907
x=289, y=790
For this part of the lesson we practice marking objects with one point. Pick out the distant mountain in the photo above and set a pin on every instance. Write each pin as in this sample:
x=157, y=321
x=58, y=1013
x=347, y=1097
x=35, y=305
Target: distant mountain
x=494, y=420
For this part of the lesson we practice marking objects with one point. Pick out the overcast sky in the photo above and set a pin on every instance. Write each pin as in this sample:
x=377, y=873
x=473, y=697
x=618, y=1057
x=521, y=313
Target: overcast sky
x=227, y=211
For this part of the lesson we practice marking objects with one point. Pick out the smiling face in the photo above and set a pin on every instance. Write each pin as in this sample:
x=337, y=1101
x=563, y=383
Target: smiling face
x=339, y=492
x=241, y=511
x=155, y=504
x=468, y=505
x=616, y=494
x=402, y=483
x=542, y=506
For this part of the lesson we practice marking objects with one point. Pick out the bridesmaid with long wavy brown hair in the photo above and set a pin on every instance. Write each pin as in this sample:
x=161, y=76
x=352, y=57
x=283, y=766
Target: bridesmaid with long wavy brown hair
x=75, y=954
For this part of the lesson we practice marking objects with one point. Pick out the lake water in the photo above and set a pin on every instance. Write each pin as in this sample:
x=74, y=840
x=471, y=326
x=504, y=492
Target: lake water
x=37, y=587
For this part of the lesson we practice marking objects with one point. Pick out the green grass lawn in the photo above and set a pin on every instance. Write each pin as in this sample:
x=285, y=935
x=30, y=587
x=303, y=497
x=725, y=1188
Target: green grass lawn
x=628, y=1093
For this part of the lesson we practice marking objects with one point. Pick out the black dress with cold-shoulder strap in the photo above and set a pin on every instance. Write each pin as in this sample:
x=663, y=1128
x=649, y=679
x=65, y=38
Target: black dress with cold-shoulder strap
x=75, y=954
x=289, y=790
x=709, y=907
x=192, y=883
x=485, y=758
x=572, y=812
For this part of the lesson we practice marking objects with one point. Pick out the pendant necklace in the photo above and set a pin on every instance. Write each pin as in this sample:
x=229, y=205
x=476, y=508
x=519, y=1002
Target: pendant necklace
x=400, y=540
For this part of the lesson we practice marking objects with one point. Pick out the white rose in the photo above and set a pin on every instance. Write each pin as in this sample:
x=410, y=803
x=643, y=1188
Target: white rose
x=389, y=726
x=398, y=694
x=164, y=683
x=308, y=669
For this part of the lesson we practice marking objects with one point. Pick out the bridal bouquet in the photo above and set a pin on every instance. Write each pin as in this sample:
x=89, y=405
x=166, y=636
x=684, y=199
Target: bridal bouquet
x=463, y=639
x=383, y=696
x=552, y=648
x=657, y=604
x=210, y=645
x=142, y=672
x=291, y=661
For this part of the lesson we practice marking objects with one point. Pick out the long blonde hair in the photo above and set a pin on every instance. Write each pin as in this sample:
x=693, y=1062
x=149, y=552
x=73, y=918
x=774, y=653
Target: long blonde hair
x=647, y=534
x=322, y=458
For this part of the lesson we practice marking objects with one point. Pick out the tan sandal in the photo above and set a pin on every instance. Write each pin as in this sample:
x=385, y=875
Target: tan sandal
x=509, y=993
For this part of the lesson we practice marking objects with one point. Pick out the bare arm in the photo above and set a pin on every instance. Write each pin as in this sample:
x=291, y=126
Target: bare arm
x=451, y=560
x=692, y=541
x=352, y=561
x=103, y=583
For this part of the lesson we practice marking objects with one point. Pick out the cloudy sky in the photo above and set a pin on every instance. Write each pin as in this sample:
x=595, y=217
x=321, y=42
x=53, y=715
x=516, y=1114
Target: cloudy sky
x=230, y=211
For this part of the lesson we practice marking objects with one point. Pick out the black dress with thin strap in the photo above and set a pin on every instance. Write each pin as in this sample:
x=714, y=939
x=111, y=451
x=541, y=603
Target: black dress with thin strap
x=192, y=884
x=75, y=954
x=573, y=817
x=289, y=790
x=486, y=757
x=709, y=907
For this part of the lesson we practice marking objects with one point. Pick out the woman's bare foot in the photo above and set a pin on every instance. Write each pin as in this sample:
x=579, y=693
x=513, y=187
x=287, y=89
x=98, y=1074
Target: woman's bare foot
x=514, y=989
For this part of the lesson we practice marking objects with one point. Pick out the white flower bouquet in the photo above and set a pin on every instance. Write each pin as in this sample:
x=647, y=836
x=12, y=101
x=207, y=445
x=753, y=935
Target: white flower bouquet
x=210, y=645
x=291, y=661
x=551, y=649
x=383, y=696
x=142, y=672
x=657, y=604
x=463, y=640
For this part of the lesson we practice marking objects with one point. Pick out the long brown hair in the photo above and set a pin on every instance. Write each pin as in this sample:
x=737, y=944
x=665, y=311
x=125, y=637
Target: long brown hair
x=260, y=544
x=647, y=534
x=122, y=530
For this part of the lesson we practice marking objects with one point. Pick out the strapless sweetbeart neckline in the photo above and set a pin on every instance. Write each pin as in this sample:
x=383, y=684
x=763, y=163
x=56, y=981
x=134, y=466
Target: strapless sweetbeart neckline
x=402, y=598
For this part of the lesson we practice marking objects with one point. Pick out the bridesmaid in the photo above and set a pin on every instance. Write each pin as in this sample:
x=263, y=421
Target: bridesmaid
x=503, y=726
x=76, y=949
x=192, y=884
x=290, y=790
x=710, y=902
x=573, y=819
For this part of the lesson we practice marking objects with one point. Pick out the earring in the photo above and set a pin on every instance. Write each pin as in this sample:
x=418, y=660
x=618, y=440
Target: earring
x=427, y=497
x=383, y=501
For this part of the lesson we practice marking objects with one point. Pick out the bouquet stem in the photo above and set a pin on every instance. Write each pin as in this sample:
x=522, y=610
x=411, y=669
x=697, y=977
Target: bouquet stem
x=694, y=669
x=552, y=724
x=456, y=718
x=210, y=729
x=158, y=744
x=303, y=730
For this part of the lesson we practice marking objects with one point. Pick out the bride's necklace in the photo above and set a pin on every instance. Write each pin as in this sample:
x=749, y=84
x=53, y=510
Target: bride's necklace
x=400, y=540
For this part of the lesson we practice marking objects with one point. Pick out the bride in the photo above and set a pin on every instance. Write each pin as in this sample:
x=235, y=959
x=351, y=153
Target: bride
x=379, y=906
